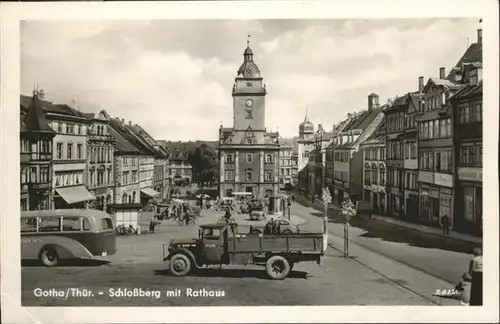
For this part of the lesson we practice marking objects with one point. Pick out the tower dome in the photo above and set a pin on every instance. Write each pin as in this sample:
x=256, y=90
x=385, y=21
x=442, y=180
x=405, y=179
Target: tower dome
x=248, y=68
x=306, y=127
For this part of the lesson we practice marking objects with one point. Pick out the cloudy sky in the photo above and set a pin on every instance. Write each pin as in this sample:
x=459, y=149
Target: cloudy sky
x=174, y=77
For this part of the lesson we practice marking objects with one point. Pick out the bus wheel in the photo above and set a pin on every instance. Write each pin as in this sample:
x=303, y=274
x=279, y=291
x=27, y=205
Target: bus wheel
x=256, y=232
x=277, y=267
x=180, y=265
x=48, y=256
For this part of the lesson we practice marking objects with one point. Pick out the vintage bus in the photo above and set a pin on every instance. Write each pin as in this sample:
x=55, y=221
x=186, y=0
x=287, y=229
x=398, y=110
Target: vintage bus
x=52, y=235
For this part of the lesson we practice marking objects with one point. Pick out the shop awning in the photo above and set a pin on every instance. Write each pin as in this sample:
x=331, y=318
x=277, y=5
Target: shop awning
x=73, y=195
x=150, y=192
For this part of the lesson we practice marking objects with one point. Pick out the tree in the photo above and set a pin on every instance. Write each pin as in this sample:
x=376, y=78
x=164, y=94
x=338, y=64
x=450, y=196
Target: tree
x=348, y=211
x=205, y=164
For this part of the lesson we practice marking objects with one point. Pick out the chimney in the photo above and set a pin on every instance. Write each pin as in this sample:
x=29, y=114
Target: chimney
x=441, y=73
x=480, y=36
x=123, y=120
x=130, y=123
x=420, y=84
x=372, y=101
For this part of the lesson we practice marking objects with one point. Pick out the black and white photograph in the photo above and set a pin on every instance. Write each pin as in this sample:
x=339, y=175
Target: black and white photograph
x=243, y=161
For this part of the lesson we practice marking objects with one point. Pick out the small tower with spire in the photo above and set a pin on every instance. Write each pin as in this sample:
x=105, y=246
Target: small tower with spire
x=306, y=129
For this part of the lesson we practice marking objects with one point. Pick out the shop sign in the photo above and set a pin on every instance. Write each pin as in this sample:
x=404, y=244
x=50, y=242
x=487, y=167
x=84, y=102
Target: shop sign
x=443, y=179
x=470, y=174
x=424, y=176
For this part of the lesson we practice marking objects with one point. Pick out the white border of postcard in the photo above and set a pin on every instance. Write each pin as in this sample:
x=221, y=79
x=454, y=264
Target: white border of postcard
x=12, y=13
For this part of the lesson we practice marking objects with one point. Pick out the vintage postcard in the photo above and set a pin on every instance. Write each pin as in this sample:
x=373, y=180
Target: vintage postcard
x=249, y=162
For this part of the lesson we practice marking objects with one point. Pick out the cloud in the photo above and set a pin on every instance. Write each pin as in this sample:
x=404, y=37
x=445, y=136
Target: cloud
x=174, y=77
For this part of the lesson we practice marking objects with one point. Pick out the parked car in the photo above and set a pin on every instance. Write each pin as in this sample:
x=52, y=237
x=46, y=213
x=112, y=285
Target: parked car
x=284, y=227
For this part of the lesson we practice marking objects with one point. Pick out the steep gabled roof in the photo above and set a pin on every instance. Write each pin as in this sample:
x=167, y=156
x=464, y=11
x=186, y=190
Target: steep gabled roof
x=468, y=91
x=473, y=54
x=35, y=118
x=50, y=107
x=121, y=143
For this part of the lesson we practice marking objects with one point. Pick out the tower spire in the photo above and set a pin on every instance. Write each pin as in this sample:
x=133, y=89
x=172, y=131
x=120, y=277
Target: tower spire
x=248, y=40
x=306, y=118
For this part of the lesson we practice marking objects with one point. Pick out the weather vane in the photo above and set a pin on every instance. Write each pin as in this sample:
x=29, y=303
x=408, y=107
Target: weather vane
x=248, y=39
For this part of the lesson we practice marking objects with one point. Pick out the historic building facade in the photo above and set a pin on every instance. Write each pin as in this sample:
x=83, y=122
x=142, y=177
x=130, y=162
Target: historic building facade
x=467, y=106
x=348, y=159
x=374, y=170
x=100, y=161
x=69, y=154
x=288, y=165
x=435, y=150
x=305, y=144
x=248, y=153
x=36, y=157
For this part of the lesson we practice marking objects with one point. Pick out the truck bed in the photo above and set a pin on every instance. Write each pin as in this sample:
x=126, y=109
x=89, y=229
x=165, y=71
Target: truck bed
x=302, y=242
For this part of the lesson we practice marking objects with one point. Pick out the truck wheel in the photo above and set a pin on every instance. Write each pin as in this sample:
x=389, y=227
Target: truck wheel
x=48, y=256
x=256, y=232
x=277, y=267
x=180, y=265
x=287, y=232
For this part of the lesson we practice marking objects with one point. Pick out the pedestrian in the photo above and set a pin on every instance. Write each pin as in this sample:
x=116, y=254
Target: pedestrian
x=293, y=198
x=476, y=272
x=152, y=225
x=445, y=224
x=464, y=288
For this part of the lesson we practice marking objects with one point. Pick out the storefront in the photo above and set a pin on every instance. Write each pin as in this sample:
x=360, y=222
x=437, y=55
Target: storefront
x=429, y=204
x=72, y=197
x=411, y=205
x=469, y=201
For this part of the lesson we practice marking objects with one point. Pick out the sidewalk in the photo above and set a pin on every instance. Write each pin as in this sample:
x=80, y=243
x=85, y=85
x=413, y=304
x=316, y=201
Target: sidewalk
x=417, y=227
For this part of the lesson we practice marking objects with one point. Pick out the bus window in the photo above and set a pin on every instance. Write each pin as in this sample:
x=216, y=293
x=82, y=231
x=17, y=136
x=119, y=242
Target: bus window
x=49, y=224
x=71, y=224
x=106, y=223
x=28, y=224
x=86, y=224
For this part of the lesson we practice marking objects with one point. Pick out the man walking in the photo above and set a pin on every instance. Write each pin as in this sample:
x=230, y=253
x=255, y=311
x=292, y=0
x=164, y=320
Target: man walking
x=445, y=224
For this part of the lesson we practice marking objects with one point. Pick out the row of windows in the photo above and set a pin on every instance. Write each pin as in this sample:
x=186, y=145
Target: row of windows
x=146, y=174
x=394, y=178
x=34, y=175
x=99, y=130
x=70, y=153
x=374, y=154
x=395, y=150
x=41, y=146
x=433, y=102
x=395, y=122
x=100, y=154
x=470, y=114
x=181, y=172
x=70, y=178
x=285, y=172
x=341, y=156
x=438, y=161
x=129, y=177
x=440, y=128
x=410, y=150
x=129, y=199
x=471, y=155
x=249, y=158
x=285, y=153
x=68, y=128
x=374, y=176
x=103, y=177
x=268, y=175
x=288, y=162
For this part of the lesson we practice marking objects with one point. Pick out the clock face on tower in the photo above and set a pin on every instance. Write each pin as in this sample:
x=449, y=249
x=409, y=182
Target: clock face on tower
x=249, y=103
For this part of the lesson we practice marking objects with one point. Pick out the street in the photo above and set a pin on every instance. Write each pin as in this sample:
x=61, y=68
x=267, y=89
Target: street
x=138, y=264
x=440, y=257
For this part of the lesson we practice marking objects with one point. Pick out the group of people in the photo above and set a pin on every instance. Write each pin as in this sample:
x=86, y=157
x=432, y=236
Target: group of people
x=470, y=289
